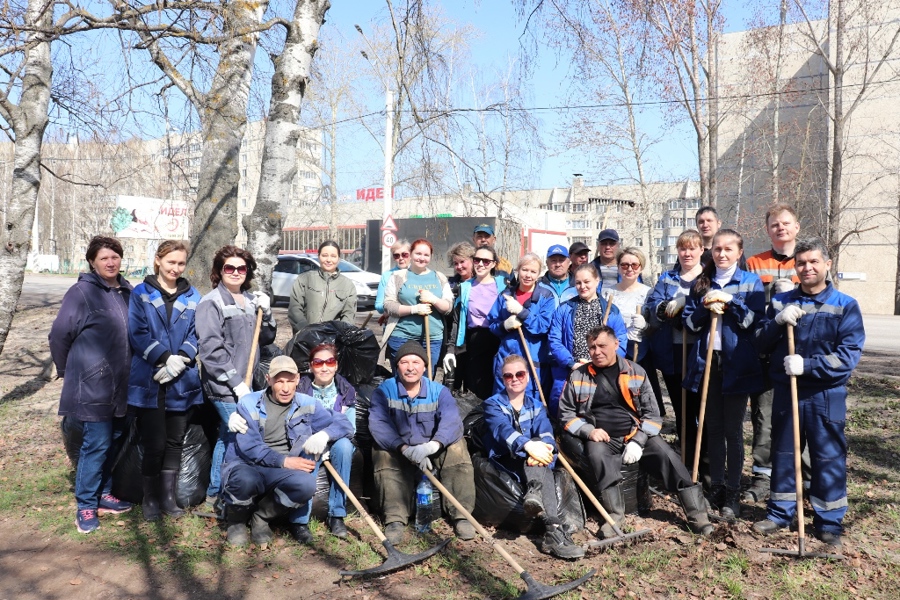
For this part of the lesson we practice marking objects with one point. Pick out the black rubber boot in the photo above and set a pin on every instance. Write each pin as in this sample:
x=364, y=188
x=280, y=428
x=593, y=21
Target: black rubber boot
x=614, y=502
x=266, y=511
x=694, y=505
x=167, y=503
x=758, y=490
x=732, y=508
x=150, y=503
x=236, y=519
x=534, y=500
x=557, y=543
x=717, y=497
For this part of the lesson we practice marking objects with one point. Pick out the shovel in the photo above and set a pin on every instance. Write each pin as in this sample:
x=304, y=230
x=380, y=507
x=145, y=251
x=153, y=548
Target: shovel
x=620, y=536
x=396, y=560
x=535, y=590
x=428, y=344
x=800, y=552
x=704, y=389
x=683, y=399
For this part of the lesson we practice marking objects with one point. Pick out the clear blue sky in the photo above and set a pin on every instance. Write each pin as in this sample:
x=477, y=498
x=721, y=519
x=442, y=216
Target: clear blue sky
x=501, y=30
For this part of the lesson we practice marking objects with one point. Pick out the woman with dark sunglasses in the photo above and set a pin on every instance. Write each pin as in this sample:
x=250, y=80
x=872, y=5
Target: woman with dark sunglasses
x=471, y=333
x=400, y=253
x=326, y=385
x=519, y=439
x=225, y=322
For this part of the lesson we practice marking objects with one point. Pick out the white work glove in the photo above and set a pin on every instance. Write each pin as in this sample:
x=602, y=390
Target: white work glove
x=449, y=362
x=513, y=306
x=237, y=423
x=675, y=306
x=241, y=390
x=539, y=451
x=717, y=296
x=789, y=315
x=427, y=297
x=419, y=453
x=779, y=286
x=162, y=376
x=315, y=444
x=420, y=309
x=326, y=455
x=638, y=322
x=633, y=453
x=512, y=322
x=716, y=307
x=176, y=364
x=263, y=301
x=793, y=365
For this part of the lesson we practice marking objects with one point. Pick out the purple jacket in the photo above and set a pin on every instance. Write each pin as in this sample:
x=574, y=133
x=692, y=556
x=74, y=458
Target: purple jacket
x=90, y=348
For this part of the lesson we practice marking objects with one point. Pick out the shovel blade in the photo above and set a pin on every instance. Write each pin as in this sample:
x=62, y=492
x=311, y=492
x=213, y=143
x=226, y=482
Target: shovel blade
x=396, y=560
x=618, y=539
x=536, y=590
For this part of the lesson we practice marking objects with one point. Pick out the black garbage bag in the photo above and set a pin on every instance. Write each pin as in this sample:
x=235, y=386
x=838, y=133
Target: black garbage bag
x=73, y=435
x=266, y=354
x=358, y=349
x=323, y=482
x=498, y=497
x=466, y=402
x=571, y=508
x=473, y=430
x=127, y=483
x=196, y=459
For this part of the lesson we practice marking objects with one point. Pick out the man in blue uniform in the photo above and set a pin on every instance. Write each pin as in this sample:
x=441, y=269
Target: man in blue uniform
x=829, y=339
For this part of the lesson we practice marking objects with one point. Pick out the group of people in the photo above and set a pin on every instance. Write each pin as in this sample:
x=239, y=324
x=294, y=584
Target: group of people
x=563, y=358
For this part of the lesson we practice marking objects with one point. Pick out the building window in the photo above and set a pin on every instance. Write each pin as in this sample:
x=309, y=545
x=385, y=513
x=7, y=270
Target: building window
x=579, y=208
x=658, y=242
x=659, y=224
x=673, y=239
x=638, y=241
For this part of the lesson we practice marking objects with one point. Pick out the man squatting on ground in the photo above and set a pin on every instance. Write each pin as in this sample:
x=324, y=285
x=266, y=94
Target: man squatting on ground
x=610, y=416
x=273, y=462
x=829, y=338
x=415, y=424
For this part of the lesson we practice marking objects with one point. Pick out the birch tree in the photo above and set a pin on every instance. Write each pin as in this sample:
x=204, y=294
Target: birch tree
x=26, y=72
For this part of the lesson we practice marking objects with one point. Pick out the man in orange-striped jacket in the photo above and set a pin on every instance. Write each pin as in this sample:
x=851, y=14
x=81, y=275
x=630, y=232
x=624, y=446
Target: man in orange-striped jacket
x=610, y=417
x=776, y=269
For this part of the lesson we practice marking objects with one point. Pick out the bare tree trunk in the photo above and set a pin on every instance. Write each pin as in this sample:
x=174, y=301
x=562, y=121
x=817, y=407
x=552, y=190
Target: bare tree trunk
x=712, y=91
x=28, y=120
x=279, y=160
x=776, y=114
x=837, y=144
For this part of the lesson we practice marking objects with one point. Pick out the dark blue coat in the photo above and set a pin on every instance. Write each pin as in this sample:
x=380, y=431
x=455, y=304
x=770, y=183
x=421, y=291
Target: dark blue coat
x=502, y=439
x=154, y=338
x=90, y=348
x=742, y=372
x=661, y=346
x=396, y=419
x=562, y=341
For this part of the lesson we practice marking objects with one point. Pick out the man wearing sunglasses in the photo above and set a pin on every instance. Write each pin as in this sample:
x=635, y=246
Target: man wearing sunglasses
x=281, y=436
x=415, y=424
x=518, y=437
x=610, y=417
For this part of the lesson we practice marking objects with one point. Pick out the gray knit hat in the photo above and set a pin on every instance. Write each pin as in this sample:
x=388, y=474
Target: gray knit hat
x=411, y=347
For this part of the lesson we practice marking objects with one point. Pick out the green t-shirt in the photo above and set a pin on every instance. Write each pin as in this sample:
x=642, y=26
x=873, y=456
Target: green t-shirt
x=412, y=327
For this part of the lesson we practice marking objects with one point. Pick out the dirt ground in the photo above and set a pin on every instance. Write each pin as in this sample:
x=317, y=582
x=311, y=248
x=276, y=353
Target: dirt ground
x=42, y=557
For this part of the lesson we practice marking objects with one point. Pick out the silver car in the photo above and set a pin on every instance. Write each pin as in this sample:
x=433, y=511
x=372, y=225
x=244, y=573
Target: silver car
x=291, y=265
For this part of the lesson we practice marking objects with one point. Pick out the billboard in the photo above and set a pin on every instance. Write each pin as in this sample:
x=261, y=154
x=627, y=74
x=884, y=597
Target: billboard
x=150, y=218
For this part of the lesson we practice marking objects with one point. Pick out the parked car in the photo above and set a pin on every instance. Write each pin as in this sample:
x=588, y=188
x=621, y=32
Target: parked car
x=291, y=265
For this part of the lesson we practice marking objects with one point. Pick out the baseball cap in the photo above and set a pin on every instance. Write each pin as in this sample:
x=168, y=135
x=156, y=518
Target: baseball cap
x=608, y=234
x=557, y=250
x=282, y=364
x=578, y=248
x=484, y=228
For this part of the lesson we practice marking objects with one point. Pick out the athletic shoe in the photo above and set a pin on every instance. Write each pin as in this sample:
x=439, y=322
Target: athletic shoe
x=86, y=520
x=111, y=504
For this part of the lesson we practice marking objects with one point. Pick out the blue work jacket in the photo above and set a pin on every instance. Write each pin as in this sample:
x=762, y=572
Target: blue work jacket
x=502, y=437
x=395, y=419
x=662, y=329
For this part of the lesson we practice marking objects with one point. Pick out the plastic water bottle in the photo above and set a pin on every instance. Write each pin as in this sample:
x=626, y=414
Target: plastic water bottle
x=424, y=506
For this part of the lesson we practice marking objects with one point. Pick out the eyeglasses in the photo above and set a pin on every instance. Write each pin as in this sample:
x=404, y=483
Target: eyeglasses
x=632, y=266
x=478, y=260
x=401, y=255
x=318, y=362
x=520, y=375
x=232, y=269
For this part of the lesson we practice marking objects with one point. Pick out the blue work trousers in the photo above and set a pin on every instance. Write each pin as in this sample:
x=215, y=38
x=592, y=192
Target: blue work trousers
x=822, y=418
x=100, y=444
x=341, y=458
x=244, y=484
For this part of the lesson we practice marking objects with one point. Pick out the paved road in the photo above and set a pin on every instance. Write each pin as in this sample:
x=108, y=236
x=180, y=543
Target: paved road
x=882, y=331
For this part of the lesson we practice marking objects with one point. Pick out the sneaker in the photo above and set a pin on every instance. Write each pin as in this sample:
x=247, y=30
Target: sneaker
x=828, y=537
x=464, y=530
x=86, y=520
x=395, y=532
x=301, y=533
x=111, y=504
x=336, y=527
